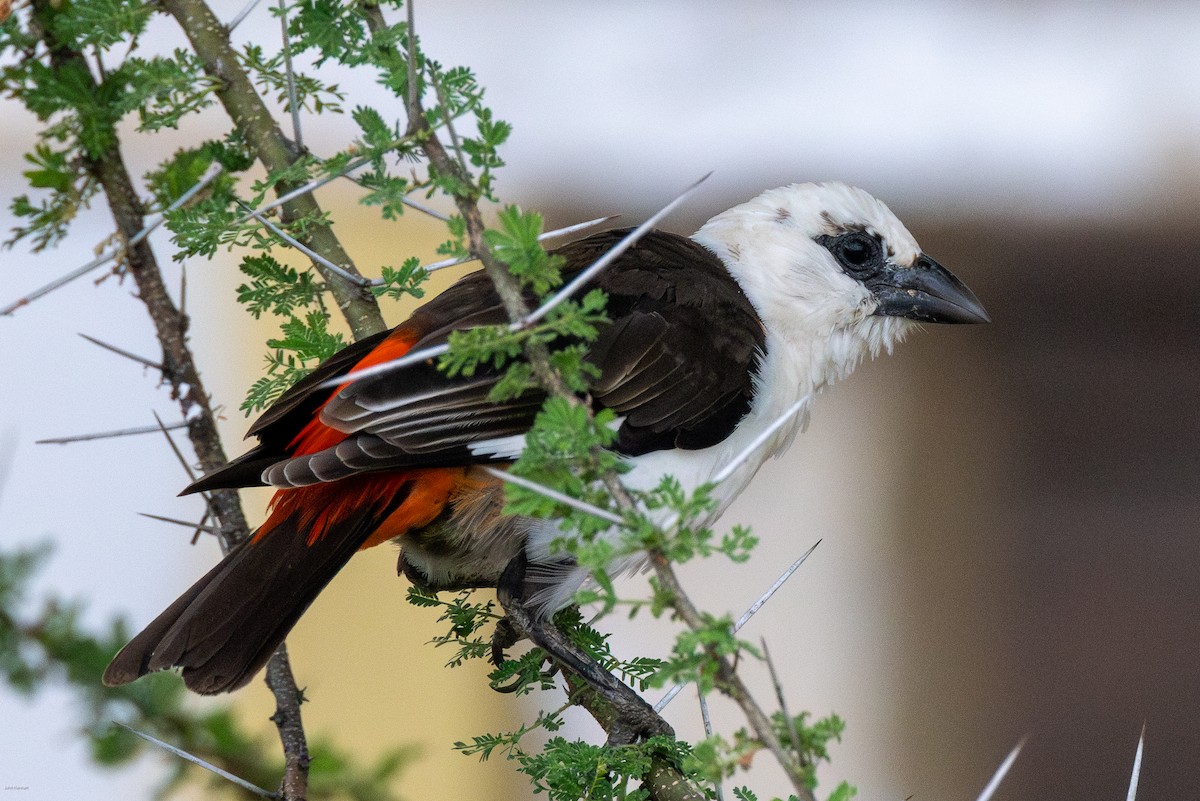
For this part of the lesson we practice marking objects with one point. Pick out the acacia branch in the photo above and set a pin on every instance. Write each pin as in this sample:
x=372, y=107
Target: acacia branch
x=181, y=373
x=210, y=40
x=727, y=680
x=665, y=779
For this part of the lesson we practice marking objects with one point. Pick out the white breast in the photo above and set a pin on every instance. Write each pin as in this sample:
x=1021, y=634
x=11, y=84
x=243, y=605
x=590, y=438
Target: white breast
x=788, y=384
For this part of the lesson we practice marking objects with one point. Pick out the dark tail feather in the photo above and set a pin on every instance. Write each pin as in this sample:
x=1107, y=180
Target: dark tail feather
x=225, y=628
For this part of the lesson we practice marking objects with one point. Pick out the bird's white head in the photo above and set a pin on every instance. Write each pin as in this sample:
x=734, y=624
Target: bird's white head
x=833, y=272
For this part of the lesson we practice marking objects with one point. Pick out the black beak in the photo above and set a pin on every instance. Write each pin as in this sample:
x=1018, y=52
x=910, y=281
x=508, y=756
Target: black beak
x=926, y=291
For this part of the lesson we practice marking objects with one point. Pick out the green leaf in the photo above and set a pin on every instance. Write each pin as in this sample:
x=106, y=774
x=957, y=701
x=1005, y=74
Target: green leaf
x=275, y=288
x=305, y=343
x=100, y=23
x=516, y=244
x=404, y=281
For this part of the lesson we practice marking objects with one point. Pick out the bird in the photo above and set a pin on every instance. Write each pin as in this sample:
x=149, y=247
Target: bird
x=709, y=341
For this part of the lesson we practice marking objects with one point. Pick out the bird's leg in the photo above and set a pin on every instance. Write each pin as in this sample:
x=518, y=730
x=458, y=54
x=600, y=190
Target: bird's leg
x=632, y=716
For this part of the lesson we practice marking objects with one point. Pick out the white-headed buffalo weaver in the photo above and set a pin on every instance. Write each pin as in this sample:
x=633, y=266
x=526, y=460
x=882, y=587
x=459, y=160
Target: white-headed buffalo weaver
x=710, y=339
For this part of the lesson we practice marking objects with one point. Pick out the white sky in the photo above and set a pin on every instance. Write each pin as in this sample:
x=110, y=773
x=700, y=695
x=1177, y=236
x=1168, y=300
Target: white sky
x=942, y=107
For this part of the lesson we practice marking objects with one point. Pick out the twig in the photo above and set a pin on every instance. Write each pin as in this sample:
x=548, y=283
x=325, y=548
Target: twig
x=122, y=352
x=185, y=523
x=990, y=789
x=108, y=169
x=135, y=238
x=749, y=613
x=663, y=780
x=1136, y=773
x=293, y=106
x=287, y=720
x=779, y=696
x=555, y=495
x=122, y=432
x=727, y=679
x=179, y=752
x=537, y=355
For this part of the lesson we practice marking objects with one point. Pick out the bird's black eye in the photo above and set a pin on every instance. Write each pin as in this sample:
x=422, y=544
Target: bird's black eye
x=857, y=251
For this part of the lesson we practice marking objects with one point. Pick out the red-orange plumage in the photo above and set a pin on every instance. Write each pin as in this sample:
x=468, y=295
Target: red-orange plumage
x=316, y=436
x=321, y=507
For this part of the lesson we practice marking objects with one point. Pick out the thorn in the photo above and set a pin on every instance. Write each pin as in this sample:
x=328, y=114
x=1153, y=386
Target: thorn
x=608, y=258
x=760, y=440
x=179, y=752
x=187, y=468
x=421, y=207
x=604, y=261
x=749, y=613
x=557, y=232
x=338, y=270
x=124, y=432
x=779, y=582
x=202, y=528
x=185, y=523
x=305, y=189
x=571, y=229
x=183, y=291
x=555, y=495
x=46, y=289
x=387, y=367
x=317, y=183
x=708, y=730
x=241, y=15
x=210, y=174
x=1001, y=772
x=444, y=263
x=293, y=106
x=121, y=352
x=1137, y=766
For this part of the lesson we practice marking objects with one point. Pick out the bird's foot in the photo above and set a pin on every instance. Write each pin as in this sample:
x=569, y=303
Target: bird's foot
x=631, y=717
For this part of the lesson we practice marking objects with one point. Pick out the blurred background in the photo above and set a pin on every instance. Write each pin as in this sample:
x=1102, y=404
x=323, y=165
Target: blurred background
x=1007, y=512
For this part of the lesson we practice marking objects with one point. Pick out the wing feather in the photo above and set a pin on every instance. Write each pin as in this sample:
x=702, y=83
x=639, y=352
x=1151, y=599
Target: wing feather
x=677, y=361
